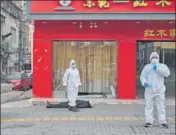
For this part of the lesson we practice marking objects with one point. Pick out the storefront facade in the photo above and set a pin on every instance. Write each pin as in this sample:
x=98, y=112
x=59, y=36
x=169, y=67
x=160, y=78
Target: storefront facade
x=113, y=25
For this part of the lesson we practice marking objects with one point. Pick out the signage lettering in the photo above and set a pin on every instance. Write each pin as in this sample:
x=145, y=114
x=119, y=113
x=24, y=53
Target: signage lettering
x=136, y=3
x=115, y=6
x=89, y=4
x=159, y=33
x=163, y=3
x=149, y=33
x=103, y=4
x=140, y=3
x=172, y=33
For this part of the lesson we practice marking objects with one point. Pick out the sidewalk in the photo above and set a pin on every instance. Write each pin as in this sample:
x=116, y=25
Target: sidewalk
x=101, y=120
x=41, y=101
x=21, y=95
x=15, y=96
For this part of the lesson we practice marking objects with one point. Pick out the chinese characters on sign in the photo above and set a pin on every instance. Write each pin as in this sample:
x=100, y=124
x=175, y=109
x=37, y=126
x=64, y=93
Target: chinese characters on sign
x=89, y=3
x=136, y=3
x=163, y=3
x=140, y=3
x=160, y=33
x=103, y=4
x=149, y=33
x=172, y=32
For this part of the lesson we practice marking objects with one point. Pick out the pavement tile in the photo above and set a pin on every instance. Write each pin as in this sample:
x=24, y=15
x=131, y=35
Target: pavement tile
x=127, y=118
x=72, y=118
x=55, y=118
x=101, y=120
x=46, y=119
x=81, y=118
x=117, y=118
x=64, y=118
x=90, y=118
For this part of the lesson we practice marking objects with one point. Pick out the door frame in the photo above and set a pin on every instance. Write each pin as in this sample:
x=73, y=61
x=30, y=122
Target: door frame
x=116, y=51
x=144, y=55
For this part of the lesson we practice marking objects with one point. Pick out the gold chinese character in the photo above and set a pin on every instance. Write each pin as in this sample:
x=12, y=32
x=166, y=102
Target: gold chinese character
x=103, y=4
x=172, y=32
x=149, y=33
x=140, y=3
x=89, y=4
x=163, y=3
x=161, y=33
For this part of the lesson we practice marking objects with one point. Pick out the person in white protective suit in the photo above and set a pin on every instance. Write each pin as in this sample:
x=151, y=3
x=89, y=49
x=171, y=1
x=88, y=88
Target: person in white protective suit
x=72, y=81
x=152, y=78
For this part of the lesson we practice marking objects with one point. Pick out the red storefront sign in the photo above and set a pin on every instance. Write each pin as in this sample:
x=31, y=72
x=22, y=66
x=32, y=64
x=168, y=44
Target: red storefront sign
x=125, y=32
x=84, y=6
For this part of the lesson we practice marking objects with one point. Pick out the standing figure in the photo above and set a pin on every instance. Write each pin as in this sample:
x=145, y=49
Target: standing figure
x=72, y=81
x=152, y=78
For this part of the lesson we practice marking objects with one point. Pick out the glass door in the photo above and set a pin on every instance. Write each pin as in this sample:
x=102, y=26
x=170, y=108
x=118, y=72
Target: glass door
x=166, y=51
x=96, y=62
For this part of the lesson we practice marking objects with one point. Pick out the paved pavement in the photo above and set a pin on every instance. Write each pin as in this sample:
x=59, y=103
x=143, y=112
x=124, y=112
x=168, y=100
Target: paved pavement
x=110, y=100
x=15, y=96
x=42, y=101
x=104, y=119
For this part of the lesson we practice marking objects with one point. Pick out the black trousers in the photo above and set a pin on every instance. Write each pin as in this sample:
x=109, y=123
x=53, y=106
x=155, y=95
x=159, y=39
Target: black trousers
x=79, y=104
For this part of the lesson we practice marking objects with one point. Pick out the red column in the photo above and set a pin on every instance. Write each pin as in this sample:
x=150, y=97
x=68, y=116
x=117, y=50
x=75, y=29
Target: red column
x=126, y=82
x=42, y=68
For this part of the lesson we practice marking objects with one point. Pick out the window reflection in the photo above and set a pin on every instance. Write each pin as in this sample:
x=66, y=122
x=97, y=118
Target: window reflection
x=166, y=51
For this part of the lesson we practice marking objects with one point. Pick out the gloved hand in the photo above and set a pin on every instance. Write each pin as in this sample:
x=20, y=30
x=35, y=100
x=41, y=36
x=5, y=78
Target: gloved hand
x=145, y=85
x=155, y=67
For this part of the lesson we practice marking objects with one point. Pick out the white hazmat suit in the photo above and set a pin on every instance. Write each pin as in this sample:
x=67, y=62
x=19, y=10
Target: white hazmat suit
x=71, y=79
x=152, y=78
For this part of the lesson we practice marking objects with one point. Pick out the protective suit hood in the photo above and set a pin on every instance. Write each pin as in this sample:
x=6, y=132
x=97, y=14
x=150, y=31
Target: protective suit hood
x=72, y=64
x=154, y=58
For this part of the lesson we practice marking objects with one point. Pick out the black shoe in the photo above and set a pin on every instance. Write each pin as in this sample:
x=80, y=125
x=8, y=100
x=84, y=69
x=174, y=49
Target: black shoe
x=69, y=108
x=48, y=104
x=148, y=125
x=164, y=125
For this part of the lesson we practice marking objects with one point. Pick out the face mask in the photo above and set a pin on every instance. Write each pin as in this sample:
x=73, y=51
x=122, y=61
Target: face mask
x=73, y=65
x=154, y=61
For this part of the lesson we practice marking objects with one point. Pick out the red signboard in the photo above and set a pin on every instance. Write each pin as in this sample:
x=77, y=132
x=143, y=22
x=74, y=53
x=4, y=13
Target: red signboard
x=84, y=6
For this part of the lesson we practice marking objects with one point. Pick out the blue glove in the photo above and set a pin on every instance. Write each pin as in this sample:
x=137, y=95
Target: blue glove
x=145, y=85
x=155, y=67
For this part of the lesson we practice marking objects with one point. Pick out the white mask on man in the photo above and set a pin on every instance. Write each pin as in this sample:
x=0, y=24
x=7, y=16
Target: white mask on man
x=73, y=65
x=155, y=61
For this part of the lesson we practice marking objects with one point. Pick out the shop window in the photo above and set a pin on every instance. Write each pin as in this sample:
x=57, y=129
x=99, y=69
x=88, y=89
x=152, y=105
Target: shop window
x=96, y=61
x=166, y=51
